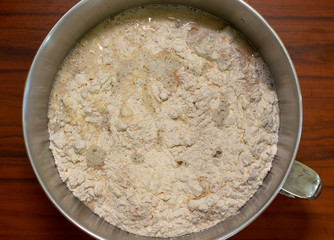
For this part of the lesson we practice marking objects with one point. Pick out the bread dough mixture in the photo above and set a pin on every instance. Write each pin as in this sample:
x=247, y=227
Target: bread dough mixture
x=163, y=121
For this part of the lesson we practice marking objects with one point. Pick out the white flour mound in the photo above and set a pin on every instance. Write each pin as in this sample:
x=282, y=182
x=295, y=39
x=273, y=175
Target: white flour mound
x=162, y=121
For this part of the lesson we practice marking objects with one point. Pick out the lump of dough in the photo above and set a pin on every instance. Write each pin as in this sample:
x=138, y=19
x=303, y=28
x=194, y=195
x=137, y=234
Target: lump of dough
x=163, y=67
x=126, y=111
x=95, y=156
x=79, y=146
x=220, y=114
x=137, y=158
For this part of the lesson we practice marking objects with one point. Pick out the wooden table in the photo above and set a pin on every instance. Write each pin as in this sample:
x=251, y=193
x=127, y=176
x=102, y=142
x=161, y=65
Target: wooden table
x=307, y=29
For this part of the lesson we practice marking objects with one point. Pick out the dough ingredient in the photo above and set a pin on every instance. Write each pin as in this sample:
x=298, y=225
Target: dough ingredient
x=163, y=121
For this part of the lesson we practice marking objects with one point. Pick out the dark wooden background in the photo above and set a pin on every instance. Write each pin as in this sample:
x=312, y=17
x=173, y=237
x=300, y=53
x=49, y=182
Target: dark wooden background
x=307, y=29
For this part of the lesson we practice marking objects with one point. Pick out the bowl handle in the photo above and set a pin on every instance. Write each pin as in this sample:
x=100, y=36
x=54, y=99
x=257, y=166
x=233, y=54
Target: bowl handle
x=302, y=182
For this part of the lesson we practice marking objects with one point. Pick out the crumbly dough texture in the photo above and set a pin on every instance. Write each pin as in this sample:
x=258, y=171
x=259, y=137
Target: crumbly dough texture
x=163, y=121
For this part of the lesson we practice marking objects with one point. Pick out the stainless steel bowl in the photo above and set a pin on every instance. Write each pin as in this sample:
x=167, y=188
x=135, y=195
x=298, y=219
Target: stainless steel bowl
x=302, y=182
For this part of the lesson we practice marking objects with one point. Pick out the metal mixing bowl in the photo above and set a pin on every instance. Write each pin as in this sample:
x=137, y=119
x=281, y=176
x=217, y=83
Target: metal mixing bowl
x=85, y=15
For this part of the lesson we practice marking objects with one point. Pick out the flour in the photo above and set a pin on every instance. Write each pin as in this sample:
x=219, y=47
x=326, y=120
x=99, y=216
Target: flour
x=163, y=121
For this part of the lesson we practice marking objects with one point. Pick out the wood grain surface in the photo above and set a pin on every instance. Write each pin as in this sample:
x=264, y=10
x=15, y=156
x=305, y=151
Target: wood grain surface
x=307, y=29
